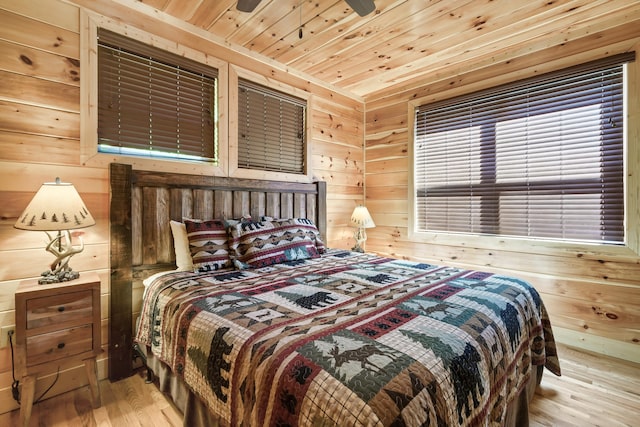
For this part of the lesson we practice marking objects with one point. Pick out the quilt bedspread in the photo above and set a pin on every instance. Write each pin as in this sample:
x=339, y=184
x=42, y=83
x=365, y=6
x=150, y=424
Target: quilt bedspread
x=349, y=339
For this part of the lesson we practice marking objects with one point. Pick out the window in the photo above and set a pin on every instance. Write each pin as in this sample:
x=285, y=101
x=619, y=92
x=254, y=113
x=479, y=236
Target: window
x=154, y=103
x=271, y=129
x=539, y=158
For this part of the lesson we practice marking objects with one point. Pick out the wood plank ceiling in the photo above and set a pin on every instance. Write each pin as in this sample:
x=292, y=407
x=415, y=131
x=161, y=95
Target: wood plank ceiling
x=402, y=42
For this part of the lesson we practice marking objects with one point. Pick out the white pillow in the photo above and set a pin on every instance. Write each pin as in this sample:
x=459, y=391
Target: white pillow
x=181, y=245
x=146, y=282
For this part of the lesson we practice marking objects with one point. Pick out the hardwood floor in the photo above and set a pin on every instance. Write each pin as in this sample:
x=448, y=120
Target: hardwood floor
x=593, y=391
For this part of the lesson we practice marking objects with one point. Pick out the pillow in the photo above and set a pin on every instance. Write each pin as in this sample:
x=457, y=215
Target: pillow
x=263, y=243
x=149, y=280
x=208, y=245
x=181, y=246
x=308, y=226
x=230, y=222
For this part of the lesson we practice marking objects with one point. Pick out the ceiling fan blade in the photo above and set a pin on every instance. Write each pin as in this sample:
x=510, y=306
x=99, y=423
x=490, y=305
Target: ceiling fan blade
x=362, y=7
x=247, y=5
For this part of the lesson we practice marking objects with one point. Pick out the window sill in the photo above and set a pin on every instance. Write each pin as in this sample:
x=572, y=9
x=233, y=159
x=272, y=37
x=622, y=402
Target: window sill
x=522, y=245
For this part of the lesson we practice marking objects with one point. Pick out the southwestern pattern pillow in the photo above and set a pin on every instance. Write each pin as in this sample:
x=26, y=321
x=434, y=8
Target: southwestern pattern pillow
x=208, y=245
x=262, y=243
x=307, y=226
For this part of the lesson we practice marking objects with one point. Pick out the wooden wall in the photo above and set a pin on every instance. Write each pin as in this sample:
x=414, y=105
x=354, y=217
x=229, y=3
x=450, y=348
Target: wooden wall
x=40, y=131
x=592, y=294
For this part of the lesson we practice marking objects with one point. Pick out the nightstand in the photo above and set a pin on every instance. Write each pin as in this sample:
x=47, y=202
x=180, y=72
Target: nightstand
x=56, y=323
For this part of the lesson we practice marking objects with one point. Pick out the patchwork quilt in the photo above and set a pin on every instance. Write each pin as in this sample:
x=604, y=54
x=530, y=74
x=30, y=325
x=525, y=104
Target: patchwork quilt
x=349, y=339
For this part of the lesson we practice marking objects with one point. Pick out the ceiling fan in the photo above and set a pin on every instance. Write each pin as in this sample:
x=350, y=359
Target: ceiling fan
x=362, y=7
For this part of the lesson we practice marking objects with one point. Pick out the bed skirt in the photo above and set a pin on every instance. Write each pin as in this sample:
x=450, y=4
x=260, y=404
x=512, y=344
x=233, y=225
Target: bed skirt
x=195, y=412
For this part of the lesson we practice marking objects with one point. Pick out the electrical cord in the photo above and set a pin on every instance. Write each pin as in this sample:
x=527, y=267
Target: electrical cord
x=15, y=390
x=55, y=380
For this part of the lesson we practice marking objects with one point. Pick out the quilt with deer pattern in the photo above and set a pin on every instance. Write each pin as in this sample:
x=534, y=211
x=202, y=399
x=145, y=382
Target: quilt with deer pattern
x=349, y=339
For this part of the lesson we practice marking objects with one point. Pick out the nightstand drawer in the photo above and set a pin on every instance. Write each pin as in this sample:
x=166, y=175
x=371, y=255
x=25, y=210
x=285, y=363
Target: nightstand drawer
x=59, y=344
x=74, y=307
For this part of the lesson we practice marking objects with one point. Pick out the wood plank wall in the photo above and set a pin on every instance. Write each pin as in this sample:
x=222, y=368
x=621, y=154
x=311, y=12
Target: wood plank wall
x=593, y=296
x=40, y=140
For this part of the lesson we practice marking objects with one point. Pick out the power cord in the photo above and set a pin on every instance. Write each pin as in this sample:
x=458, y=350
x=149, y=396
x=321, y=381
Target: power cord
x=15, y=390
x=55, y=380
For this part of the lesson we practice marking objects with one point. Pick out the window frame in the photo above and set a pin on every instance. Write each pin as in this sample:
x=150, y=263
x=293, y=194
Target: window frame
x=236, y=72
x=631, y=244
x=132, y=77
x=89, y=154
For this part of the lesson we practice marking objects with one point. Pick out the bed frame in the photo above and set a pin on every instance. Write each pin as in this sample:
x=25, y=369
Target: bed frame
x=143, y=202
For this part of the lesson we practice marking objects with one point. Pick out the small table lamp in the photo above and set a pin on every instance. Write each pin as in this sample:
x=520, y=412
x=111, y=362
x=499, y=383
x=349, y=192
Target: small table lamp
x=57, y=206
x=362, y=219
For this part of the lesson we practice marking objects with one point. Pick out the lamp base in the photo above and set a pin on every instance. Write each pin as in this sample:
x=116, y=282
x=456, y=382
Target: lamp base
x=48, y=277
x=62, y=247
x=360, y=236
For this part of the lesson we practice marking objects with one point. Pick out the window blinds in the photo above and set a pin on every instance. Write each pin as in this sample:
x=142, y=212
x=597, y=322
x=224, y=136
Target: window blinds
x=542, y=158
x=153, y=101
x=271, y=129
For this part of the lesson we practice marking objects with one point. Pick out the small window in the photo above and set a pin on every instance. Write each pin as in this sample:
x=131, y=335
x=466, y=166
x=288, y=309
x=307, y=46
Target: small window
x=271, y=129
x=154, y=103
x=539, y=158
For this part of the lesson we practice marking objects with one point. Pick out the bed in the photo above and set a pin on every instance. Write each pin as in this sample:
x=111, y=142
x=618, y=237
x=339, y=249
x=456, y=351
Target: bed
x=276, y=329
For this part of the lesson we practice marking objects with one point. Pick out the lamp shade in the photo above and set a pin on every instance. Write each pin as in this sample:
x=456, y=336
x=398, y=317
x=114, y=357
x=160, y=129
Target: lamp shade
x=361, y=218
x=56, y=206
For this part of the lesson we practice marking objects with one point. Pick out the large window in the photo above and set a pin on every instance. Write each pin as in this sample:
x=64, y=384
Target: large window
x=271, y=129
x=539, y=158
x=154, y=103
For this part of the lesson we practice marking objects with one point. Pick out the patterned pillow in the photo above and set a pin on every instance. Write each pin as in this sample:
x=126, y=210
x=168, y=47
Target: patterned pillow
x=208, y=245
x=304, y=224
x=262, y=243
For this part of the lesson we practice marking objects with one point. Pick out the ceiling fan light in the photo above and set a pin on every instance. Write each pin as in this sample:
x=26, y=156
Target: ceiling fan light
x=361, y=7
x=247, y=5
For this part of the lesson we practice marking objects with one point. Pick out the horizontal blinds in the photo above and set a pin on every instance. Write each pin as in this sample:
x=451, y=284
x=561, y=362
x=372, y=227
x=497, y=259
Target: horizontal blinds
x=153, y=101
x=541, y=157
x=271, y=129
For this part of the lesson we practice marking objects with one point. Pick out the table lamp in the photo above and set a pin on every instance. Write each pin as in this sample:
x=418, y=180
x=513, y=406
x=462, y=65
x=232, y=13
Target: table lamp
x=361, y=219
x=57, y=206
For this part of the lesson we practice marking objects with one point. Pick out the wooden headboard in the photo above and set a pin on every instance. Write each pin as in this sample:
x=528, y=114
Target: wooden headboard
x=143, y=202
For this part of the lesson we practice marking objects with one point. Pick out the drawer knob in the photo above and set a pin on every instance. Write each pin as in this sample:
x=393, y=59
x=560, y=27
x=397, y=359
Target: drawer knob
x=61, y=346
x=61, y=308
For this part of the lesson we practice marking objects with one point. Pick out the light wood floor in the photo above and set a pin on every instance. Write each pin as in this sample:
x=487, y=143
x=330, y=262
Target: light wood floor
x=593, y=391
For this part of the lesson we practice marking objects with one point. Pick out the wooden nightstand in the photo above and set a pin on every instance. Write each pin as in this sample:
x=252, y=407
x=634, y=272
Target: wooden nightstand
x=56, y=323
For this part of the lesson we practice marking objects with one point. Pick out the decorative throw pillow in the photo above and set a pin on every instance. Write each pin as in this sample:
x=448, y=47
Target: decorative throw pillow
x=181, y=246
x=263, y=243
x=309, y=228
x=208, y=245
x=230, y=222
